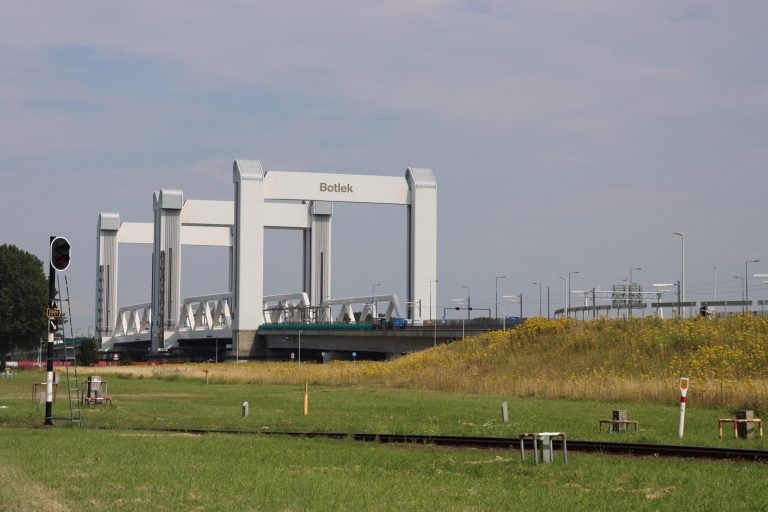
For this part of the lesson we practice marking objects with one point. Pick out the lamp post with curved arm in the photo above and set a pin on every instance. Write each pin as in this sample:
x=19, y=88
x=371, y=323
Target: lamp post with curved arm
x=539, y=297
x=469, y=303
x=746, y=283
x=682, y=264
x=568, y=297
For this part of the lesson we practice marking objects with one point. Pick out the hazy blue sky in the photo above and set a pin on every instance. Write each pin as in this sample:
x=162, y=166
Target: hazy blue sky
x=565, y=136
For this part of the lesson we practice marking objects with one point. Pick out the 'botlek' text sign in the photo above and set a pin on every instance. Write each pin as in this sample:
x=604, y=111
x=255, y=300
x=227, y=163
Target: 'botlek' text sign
x=352, y=188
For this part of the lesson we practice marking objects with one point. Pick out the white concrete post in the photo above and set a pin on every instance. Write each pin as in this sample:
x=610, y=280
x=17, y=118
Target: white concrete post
x=422, y=241
x=166, y=265
x=106, y=274
x=317, y=253
x=248, y=250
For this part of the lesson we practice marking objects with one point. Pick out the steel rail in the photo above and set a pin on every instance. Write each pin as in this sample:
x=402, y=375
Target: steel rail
x=598, y=447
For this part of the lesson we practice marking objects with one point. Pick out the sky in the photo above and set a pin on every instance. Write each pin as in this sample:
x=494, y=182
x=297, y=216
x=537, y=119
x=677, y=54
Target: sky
x=564, y=136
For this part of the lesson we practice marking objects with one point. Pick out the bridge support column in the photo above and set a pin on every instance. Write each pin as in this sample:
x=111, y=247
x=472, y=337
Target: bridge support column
x=317, y=253
x=166, y=265
x=422, y=242
x=248, y=254
x=106, y=274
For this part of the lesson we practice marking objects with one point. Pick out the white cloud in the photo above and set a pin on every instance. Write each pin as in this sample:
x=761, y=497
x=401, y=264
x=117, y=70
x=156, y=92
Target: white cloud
x=570, y=100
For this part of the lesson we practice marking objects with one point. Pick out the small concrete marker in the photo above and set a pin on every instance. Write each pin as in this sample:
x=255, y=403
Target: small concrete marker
x=619, y=416
x=745, y=430
x=504, y=411
x=245, y=409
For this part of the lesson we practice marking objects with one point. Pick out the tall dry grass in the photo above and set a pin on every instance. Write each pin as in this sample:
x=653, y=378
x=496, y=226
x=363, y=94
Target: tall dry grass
x=636, y=360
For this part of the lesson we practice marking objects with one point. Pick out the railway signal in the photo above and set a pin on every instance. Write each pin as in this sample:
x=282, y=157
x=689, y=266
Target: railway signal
x=60, y=253
x=59, y=261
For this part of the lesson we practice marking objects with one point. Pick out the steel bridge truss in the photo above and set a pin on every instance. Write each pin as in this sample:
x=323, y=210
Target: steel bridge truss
x=210, y=316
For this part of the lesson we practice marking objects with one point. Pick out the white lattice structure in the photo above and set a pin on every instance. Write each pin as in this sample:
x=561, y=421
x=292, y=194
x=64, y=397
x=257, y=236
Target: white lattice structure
x=134, y=320
x=346, y=309
x=206, y=313
x=287, y=308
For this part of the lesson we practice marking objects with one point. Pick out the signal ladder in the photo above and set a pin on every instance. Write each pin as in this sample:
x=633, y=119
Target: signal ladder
x=70, y=361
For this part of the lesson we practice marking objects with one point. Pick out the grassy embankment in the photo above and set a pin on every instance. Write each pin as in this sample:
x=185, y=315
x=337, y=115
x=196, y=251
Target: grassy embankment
x=635, y=360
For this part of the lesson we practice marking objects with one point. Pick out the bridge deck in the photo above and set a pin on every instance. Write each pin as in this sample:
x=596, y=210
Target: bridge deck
x=276, y=339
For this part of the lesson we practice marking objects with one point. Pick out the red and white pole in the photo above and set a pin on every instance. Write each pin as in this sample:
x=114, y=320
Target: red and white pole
x=51, y=334
x=683, y=395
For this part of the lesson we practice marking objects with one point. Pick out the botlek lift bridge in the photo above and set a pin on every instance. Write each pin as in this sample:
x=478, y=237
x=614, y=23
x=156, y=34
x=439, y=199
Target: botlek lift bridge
x=262, y=200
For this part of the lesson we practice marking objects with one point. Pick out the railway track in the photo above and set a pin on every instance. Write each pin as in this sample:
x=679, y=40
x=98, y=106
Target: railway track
x=500, y=443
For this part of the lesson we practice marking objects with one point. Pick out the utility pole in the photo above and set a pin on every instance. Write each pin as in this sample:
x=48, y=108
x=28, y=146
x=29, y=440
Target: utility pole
x=594, y=304
x=548, y=301
x=746, y=283
x=539, y=296
x=681, y=294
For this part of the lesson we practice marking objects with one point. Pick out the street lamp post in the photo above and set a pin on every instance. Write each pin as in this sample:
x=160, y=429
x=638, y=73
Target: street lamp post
x=469, y=303
x=629, y=296
x=682, y=265
x=497, y=295
x=458, y=307
x=504, y=303
x=746, y=281
x=434, y=322
x=430, y=295
x=565, y=293
x=539, y=297
x=742, y=290
x=568, y=297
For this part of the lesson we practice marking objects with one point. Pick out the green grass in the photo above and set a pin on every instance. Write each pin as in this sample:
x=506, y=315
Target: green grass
x=193, y=404
x=600, y=367
x=66, y=469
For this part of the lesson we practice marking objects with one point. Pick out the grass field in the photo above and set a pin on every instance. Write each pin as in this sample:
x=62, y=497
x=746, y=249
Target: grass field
x=72, y=469
x=185, y=403
x=562, y=376
x=68, y=468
